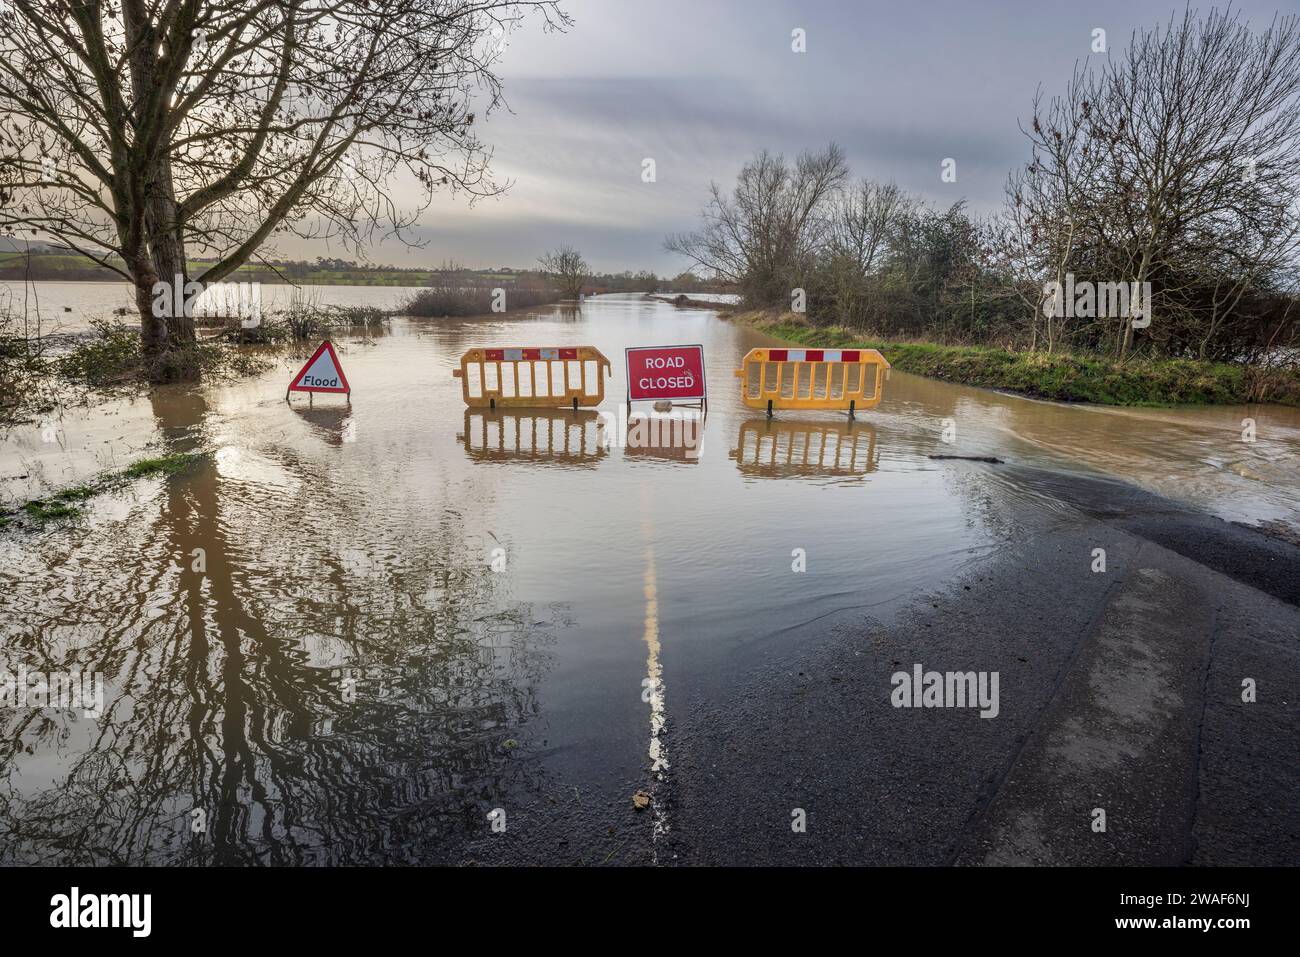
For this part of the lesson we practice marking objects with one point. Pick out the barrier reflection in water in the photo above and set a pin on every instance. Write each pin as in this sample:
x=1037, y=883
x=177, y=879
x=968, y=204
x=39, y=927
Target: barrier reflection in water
x=772, y=448
x=678, y=436
x=543, y=436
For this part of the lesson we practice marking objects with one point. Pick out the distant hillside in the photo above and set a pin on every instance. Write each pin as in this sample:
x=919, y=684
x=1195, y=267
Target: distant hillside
x=16, y=244
x=48, y=263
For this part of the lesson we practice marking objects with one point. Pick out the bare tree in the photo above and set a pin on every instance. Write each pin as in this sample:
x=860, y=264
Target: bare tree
x=1174, y=165
x=143, y=132
x=865, y=221
x=767, y=233
x=865, y=224
x=1049, y=205
x=567, y=269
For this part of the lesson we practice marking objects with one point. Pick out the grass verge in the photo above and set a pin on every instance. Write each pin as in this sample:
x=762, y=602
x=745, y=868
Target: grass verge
x=1062, y=377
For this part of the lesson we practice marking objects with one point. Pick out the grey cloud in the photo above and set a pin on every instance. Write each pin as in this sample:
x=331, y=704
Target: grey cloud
x=701, y=86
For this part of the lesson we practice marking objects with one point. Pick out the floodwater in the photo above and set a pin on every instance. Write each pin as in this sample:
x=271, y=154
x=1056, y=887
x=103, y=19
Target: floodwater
x=59, y=308
x=407, y=617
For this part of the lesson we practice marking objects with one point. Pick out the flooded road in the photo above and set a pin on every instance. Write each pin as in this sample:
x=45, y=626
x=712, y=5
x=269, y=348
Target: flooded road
x=398, y=631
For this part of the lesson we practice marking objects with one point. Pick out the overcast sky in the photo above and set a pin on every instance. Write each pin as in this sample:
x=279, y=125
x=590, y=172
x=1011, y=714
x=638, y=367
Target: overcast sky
x=700, y=85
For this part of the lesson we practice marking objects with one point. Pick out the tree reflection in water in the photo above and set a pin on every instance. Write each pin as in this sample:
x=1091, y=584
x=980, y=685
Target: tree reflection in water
x=340, y=686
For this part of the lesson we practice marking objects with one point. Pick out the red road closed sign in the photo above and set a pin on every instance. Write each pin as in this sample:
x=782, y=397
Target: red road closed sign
x=665, y=372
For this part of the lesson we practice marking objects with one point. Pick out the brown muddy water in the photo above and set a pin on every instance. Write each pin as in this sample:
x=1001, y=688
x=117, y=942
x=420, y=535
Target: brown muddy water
x=412, y=615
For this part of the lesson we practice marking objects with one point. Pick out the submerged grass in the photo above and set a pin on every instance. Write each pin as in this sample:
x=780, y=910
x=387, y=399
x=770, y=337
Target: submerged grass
x=1061, y=377
x=62, y=504
x=46, y=511
x=162, y=465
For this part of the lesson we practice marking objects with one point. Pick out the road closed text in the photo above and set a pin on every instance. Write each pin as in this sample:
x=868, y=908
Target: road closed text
x=665, y=372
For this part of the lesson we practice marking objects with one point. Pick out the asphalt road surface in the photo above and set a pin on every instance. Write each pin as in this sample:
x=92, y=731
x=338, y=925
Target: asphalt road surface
x=1120, y=691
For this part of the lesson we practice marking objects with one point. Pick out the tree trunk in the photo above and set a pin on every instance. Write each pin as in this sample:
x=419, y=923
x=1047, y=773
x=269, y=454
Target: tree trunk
x=166, y=333
x=168, y=339
x=153, y=327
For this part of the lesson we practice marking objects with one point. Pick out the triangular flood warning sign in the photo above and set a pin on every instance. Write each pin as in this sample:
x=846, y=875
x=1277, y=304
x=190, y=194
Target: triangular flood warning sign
x=322, y=373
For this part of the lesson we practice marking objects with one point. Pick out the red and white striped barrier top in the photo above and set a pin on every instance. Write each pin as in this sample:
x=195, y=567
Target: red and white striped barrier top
x=521, y=355
x=819, y=355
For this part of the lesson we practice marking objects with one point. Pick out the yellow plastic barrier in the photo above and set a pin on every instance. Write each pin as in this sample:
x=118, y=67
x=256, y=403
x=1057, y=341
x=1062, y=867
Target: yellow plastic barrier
x=533, y=378
x=849, y=379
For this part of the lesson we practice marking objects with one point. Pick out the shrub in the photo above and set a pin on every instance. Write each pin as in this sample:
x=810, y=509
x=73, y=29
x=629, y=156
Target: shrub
x=113, y=357
x=452, y=299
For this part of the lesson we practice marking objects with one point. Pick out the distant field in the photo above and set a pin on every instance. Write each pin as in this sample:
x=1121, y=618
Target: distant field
x=50, y=266
x=55, y=267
